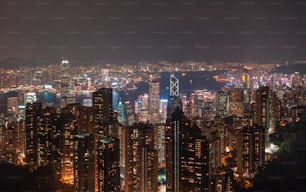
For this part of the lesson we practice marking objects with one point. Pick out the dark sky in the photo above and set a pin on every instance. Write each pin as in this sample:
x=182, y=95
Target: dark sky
x=117, y=31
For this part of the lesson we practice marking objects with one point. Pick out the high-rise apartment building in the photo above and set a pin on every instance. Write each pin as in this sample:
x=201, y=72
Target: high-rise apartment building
x=250, y=150
x=141, y=159
x=84, y=162
x=187, y=155
x=108, y=165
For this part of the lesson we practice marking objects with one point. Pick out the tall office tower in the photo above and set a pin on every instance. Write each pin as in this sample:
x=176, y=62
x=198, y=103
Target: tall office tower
x=130, y=114
x=245, y=78
x=250, y=150
x=12, y=108
x=108, y=172
x=187, y=156
x=141, y=159
x=33, y=121
x=236, y=102
x=163, y=103
x=174, y=86
x=65, y=83
x=189, y=105
x=222, y=104
x=105, y=77
x=160, y=143
x=84, y=162
x=154, y=116
x=142, y=108
x=121, y=113
x=69, y=125
x=174, y=102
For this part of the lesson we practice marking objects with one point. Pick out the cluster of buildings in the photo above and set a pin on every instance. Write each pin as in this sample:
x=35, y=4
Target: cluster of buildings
x=200, y=141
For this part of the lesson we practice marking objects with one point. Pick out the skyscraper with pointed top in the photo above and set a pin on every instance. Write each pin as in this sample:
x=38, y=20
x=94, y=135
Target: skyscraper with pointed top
x=65, y=83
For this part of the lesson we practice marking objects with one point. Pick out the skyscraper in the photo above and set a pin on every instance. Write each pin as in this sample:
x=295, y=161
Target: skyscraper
x=106, y=147
x=65, y=83
x=33, y=121
x=187, y=155
x=236, y=102
x=69, y=126
x=103, y=111
x=154, y=116
x=222, y=104
x=250, y=150
x=84, y=162
x=141, y=159
x=174, y=86
x=108, y=165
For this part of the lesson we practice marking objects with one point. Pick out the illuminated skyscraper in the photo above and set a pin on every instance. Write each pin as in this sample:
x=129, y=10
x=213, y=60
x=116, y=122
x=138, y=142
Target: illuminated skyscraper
x=108, y=165
x=12, y=108
x=174, y=86
x=187, y=156
x=65, y=83
x=84, y=163
x=266, y=111
x=103, y=111
x=154, y=116
x=250, y=150
x=222, y=104
x=69, y=125
x=33, y=121
x=141, y=159
x=103, y=117
x=41, y=125
x=236, y=102
x=142, y=108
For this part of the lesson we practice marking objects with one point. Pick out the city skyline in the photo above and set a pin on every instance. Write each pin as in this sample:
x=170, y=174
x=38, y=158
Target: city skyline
x=152, y=96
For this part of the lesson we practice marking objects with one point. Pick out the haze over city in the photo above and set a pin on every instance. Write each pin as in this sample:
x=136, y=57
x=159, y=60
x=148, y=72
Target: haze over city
x=94, y=32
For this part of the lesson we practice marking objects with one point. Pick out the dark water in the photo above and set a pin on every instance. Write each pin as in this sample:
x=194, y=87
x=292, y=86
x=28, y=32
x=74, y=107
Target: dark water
x=189, y=82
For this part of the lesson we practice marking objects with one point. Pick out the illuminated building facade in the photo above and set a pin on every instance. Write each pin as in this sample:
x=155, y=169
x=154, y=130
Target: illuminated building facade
x=154, y=116
x=267, y=110
x=236, y=102
x=65, y=83
x=250, y=150
x=187, y=156
x=103, y=112
x=69, y=130
x=108, y=165
x=222, y=104
x=174, y=86
x=33, y=121
x=107, y=148
x=141, y=159
x=84, y=162
x=142, y=108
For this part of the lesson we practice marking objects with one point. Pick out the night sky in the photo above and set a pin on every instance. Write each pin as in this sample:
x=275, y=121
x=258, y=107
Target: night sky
x=115, y=31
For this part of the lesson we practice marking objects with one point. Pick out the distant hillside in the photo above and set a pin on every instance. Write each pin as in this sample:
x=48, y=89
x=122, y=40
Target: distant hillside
x=292, y=68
